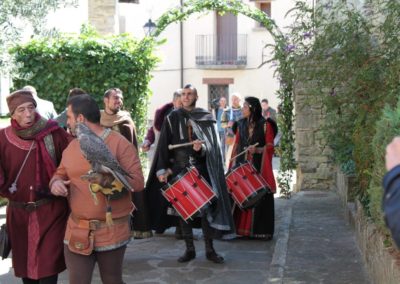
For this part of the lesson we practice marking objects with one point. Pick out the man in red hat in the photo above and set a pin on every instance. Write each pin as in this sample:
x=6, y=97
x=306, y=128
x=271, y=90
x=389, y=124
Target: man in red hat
x=30, y=150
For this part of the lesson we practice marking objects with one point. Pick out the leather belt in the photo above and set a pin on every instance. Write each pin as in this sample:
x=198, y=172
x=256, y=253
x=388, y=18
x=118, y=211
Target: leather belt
x=29, y=206
x=97, y=224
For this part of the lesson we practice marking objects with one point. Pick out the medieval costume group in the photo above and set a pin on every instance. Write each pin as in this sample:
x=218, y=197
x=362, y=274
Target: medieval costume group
x=70, y=205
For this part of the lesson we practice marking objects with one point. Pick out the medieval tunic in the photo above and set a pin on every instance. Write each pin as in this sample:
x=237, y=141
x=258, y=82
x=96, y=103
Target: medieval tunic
x=37, y=236
x=209, y=161
x=258, y=221
x=122, y=123
x=86, y=205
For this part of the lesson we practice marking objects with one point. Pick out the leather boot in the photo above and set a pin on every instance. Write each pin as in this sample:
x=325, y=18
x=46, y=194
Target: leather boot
x=211, y=253
x=190, y=252
x=178, y=233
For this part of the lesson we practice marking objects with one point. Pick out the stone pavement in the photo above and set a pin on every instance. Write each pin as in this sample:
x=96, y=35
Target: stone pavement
x=312, y=244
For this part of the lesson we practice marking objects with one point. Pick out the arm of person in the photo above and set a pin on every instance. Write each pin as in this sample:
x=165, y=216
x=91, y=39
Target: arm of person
x=391, y=202
x=128, y=130
x=269, y=140
x=127, y=156
x=391, y=185
x=163, y=153
x=2, y=179
x=59, y=183
x=148, y=140
x=224, y=119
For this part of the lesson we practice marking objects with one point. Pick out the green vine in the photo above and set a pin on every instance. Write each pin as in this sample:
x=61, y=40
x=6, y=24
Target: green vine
x=350, y=59
x=281, y=55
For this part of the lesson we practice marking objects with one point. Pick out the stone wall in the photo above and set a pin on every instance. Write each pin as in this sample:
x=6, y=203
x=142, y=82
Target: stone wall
x=103, y=16
x=315, y=170
x=381, y=262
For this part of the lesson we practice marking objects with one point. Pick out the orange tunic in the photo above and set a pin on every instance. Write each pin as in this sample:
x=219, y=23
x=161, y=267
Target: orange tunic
x=86, y=205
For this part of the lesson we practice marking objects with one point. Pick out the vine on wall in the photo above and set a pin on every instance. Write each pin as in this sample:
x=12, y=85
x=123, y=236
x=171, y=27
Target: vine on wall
x=352, y=57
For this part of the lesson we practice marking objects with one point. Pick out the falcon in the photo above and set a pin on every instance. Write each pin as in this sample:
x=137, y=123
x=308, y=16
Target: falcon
x=99, y=156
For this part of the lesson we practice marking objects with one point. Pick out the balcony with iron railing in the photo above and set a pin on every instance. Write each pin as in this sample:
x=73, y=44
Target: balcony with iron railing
x=221, y=51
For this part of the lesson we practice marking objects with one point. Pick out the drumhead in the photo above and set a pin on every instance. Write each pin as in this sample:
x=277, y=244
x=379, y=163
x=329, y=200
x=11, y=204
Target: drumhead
x=176, y=178
x=253, y=200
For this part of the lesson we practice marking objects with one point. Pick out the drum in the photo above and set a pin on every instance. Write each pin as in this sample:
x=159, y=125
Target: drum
x=246, y=185
x=188, y=193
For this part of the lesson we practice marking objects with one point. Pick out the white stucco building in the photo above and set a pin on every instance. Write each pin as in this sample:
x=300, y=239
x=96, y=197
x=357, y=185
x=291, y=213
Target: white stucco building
x=217, y=54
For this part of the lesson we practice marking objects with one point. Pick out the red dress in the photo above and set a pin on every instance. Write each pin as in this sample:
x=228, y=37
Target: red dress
x=256, y=222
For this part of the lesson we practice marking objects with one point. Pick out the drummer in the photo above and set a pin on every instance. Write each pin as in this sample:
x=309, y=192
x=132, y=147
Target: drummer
x=255, y=134
x=196, y=127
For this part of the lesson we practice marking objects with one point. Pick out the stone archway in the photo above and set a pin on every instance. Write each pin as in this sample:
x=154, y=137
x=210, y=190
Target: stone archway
x=281, y=57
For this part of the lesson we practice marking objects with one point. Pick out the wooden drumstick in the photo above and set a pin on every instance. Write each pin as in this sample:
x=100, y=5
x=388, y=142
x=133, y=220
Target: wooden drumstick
x=244, y=151
x=170, y=147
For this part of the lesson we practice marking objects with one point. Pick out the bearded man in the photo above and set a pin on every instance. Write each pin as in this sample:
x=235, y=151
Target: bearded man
x=197, y=127
x=115, y=118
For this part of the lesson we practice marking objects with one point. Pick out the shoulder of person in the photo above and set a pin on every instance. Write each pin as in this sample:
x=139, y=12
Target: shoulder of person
x=174, y=113
x=116, y=137
x=74, y=143
x=46, y=102
x=126, y=115
x=164, y=109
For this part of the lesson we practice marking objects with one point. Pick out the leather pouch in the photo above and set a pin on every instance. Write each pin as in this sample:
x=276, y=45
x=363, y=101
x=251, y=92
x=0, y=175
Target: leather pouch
x=5, y=244
x=81, y=241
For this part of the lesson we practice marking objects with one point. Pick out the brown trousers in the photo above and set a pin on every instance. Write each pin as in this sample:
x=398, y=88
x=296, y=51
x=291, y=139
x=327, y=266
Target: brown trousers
x=80, y=267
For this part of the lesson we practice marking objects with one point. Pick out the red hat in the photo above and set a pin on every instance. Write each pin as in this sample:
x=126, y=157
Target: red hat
x=18, y=98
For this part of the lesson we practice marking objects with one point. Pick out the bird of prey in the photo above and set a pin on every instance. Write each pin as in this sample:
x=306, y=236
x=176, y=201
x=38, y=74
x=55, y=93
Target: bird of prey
x=99, y=155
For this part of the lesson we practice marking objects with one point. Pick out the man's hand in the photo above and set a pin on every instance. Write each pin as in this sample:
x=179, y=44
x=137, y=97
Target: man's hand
x=102, y=179
x=164, y=177
x=393, y=153
x=197, y=144
x=145, y=146
x=59, y=187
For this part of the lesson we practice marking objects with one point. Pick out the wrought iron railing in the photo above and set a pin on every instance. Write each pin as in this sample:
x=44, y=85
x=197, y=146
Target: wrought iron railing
x=221, y=50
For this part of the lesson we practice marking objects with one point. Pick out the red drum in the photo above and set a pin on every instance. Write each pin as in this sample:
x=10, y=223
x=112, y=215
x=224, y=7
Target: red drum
x=188, y=193
x=246, y=185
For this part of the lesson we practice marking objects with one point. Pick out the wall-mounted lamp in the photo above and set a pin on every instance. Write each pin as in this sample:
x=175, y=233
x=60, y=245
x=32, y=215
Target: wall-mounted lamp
x=149, y=28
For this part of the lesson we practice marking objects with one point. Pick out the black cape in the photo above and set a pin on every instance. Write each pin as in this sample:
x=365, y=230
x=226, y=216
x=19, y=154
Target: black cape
x=204, y=127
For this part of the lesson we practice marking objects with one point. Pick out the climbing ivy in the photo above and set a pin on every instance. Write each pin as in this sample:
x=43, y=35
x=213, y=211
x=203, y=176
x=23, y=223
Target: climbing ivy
x=352, y=57
x=280, y=55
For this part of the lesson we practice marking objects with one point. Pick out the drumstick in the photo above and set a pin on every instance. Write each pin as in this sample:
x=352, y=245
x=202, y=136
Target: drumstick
x=170, y=147
x=244, y=151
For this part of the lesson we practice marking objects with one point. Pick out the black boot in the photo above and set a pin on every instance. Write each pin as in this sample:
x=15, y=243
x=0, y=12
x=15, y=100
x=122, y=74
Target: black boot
x=178, y=233
x=190, y=252
x=210, y=252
